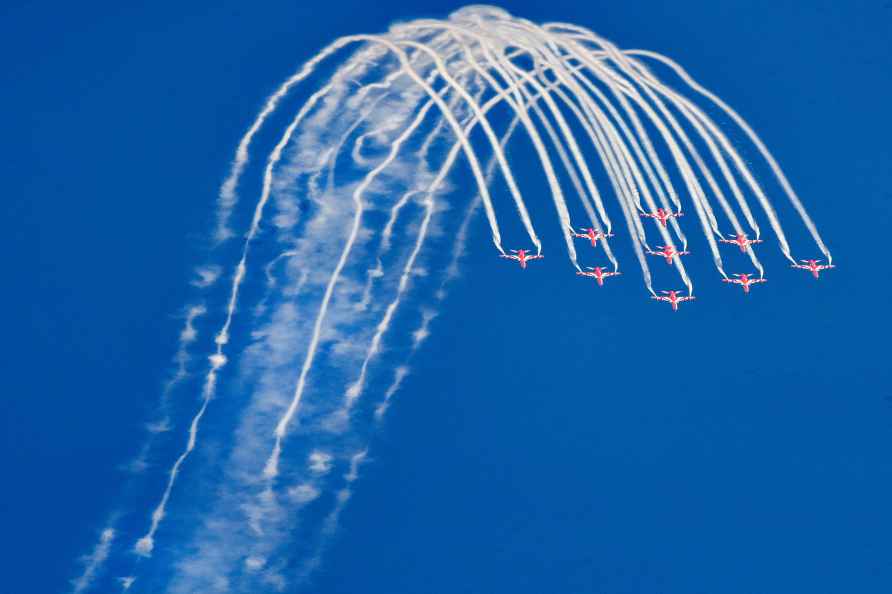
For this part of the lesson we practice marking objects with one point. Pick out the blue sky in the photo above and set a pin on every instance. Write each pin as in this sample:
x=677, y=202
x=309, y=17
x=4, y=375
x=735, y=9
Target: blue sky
x=550, y=437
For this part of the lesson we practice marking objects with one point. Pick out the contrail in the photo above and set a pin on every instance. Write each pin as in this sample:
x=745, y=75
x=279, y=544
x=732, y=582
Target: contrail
x=94, y=562
x=399, y=375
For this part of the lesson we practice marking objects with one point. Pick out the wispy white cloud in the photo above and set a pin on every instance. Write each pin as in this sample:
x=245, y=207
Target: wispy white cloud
x=205, y=276
x=303, y=493
x=126, y=582
x=319, y=462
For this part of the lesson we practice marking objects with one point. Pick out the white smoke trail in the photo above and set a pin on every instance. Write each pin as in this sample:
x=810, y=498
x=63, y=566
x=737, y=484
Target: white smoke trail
x=399, y=375
x=188, y=335
x=94, y=561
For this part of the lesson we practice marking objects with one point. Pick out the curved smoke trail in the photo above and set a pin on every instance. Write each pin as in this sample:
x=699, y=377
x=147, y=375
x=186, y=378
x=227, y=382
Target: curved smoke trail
x=352, y=241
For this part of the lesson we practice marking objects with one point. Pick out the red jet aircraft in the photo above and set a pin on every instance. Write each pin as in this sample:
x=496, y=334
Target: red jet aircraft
x=673, y=298
x=668, y=252
x=744, y=281
x=662, y=215
x=741, y=241
x=522, y=256
x=591, y=234
x=598, y=274
x=813, y=266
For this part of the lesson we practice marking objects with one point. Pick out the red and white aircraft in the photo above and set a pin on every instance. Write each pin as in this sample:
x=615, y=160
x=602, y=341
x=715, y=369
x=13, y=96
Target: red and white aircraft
x=522, y=256
x=744, y=281
x=591, y=234
x=813, y=266
x=668, y=252
x=662, y=215
x=673, y=298
x=598, y=273
x=741, y=241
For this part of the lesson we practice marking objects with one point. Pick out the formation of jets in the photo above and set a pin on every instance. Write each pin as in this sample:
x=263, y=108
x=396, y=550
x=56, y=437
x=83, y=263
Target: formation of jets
x=813, y=266
x=661, y=216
